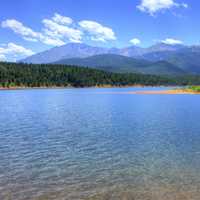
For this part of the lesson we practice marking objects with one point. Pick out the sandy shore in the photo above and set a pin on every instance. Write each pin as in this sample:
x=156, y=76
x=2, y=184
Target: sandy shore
x=175, y=91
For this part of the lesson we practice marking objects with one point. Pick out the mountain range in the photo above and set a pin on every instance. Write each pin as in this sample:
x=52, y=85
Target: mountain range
x=123, y=64
x=160, y=59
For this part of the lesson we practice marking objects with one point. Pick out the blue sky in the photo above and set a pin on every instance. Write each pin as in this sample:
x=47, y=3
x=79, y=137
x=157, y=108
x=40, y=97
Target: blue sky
x=31, y=26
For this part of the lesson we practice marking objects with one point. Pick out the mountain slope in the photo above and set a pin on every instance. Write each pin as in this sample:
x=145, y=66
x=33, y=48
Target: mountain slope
x=76, y=50
x=123, y=64
x=187, y=59
x=70, y=50
x=176, y=59
x=108, y=62
x=163, y=68
x=159, y=47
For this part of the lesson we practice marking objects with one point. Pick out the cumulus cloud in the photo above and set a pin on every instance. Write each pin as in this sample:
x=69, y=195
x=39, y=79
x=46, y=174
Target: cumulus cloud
x=56, y=30
x=62, y=19
x=19, y=28
x=28, y=34
x=154, y=6
x=135, y=41
x=59, y=30
x=96, y=31
x=14, y=50
x=171, y=41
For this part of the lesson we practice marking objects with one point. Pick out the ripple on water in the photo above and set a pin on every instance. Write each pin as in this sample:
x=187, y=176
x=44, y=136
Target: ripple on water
x=82, y=144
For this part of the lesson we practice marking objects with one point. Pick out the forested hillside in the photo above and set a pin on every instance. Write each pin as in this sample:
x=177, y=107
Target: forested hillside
x=46, y=75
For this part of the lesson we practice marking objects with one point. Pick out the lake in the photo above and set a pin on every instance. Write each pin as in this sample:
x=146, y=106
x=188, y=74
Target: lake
x=97, y=144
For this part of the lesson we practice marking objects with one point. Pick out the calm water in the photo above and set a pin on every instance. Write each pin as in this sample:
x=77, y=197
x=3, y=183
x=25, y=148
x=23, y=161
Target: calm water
x=71, y=144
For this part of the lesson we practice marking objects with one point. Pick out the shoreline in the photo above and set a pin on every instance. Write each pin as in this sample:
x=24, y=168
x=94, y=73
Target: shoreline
x=167, y=92
x=145, y=92
x=71, y=87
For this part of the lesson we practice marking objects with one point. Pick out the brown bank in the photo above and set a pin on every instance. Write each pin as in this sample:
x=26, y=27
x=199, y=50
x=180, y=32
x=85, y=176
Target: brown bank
x=173, y=91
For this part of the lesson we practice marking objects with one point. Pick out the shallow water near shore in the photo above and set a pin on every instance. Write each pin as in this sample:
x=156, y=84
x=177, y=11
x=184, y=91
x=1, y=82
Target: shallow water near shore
x=99, y=144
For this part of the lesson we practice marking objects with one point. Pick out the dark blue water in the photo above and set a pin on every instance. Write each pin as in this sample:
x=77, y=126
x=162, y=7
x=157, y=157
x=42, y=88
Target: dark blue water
x=99, y=144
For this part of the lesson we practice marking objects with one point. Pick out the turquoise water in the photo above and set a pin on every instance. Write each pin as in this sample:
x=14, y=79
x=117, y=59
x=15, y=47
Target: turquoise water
x=99, y=144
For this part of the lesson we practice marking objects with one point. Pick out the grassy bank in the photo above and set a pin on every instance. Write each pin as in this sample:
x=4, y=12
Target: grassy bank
x=194, y=89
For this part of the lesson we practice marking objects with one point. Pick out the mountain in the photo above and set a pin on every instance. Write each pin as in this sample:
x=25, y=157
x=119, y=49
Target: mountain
x=108, y=62
x=70, y=50
x=132, y=51
x=164, y=68
x=123, y=64
x=157, y=55
x=160, y=47
x=76, y=50
x=187, y=59
x=163, y=58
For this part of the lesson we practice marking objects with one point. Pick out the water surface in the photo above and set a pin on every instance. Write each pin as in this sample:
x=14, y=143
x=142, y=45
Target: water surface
x=79, y=144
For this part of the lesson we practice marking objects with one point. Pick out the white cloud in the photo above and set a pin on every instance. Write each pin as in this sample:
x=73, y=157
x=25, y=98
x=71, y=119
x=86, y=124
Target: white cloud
x=59, y=30
x=53, y=41
x=62, y=19
x=14, y=50
x=135, y=41
x=97, y=31
x=56, y=30
x=154, y=6
x=28, y=34
x=171, y=41
x=17, y=49
x=30, y=39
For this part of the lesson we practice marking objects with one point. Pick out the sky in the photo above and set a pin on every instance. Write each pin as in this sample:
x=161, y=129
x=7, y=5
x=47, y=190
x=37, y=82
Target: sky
x=31, y=26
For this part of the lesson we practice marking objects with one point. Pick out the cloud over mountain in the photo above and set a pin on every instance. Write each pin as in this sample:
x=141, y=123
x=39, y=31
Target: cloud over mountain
x=59, y=30
x=97, y=31
x=171, y=41
x=135, y=41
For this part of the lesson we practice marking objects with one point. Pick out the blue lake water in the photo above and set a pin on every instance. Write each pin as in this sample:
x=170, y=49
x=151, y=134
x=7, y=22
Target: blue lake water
x=79, y=144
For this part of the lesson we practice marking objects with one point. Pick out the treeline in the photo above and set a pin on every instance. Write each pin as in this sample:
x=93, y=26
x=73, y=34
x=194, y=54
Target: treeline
x=48, y=75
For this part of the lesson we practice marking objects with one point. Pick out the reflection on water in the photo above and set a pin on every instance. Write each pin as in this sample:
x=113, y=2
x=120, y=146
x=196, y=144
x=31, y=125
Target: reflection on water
x=100, y=144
